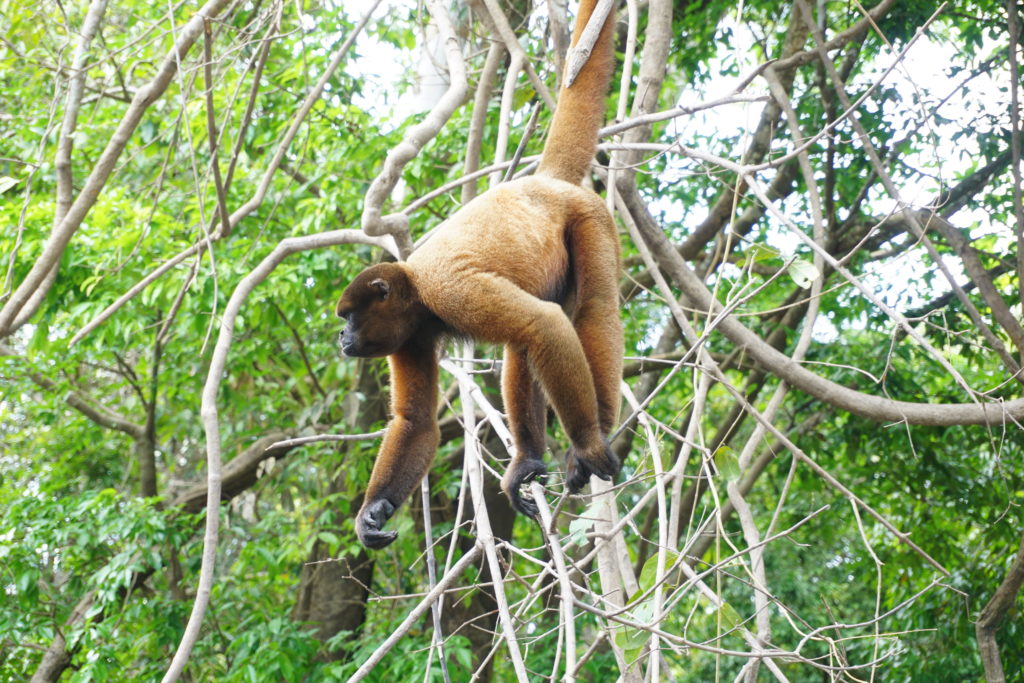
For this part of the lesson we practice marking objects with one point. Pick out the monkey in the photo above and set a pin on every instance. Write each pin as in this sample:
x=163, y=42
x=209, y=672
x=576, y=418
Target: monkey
x=531, y=264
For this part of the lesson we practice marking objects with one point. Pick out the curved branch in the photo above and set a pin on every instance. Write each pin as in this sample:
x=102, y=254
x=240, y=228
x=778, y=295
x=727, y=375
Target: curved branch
x=992, y=615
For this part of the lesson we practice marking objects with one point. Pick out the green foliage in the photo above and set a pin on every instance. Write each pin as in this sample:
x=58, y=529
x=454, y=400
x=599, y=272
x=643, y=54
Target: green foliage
x=74, y=526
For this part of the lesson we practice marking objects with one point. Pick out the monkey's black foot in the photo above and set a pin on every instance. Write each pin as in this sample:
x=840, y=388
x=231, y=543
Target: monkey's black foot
x=522, y=472
x=371, y=518
x=580, y=464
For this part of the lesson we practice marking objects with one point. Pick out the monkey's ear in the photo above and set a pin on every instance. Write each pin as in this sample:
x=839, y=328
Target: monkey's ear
x=382, y=287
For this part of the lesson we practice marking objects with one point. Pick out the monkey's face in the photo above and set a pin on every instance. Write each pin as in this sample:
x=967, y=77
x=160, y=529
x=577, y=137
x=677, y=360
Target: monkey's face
x=379, y=312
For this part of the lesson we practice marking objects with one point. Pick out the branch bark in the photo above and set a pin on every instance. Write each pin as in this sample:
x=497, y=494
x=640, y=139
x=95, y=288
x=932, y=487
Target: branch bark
x=856, y=402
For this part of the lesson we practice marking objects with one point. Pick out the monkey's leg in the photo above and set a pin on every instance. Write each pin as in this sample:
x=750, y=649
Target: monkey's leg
x=409, y=444
x=596, y=313
x=494, y=309
x=600, y=333
x=595, y=250
x=601, y=337
x=524, y=403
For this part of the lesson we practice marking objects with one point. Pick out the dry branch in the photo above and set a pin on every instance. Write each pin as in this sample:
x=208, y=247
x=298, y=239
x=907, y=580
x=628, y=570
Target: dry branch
x=259, y=195
x=400, y=632
x=856, y=402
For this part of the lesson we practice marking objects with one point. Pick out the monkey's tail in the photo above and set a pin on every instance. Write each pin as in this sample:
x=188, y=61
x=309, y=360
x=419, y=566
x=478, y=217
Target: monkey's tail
x=572, y=140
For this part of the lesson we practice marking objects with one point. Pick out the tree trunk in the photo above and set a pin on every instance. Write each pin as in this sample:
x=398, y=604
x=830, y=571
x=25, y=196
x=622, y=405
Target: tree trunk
x=333, y=595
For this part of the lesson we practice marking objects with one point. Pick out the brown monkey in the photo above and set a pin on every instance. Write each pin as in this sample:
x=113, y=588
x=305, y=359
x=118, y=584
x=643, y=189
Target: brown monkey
x=532, y=264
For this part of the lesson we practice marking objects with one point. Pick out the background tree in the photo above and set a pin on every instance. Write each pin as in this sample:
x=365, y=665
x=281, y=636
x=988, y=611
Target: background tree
x=822, y=225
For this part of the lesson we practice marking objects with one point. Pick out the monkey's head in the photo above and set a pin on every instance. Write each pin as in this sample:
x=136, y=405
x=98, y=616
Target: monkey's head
x=381, y=311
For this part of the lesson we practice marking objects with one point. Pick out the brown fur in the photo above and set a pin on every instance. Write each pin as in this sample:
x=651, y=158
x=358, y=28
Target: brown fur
x=532, y=264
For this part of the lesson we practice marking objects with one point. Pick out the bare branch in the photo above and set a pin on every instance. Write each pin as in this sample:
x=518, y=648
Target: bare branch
x=577, y=56
x=449, y=578
x=261, y=191
x=856, y=402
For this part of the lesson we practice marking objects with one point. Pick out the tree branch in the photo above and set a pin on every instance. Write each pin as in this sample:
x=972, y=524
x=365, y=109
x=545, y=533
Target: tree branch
x=992, y=615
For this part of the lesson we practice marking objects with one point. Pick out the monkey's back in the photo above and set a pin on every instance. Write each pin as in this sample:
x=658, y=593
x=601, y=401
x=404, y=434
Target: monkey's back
x=517, y=231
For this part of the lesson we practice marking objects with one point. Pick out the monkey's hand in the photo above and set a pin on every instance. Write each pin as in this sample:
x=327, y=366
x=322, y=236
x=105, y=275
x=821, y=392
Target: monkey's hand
x=523, y=471
x=372, y=517
x=580, y=464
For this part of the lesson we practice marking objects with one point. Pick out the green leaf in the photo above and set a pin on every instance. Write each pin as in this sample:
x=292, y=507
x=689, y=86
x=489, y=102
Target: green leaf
x=728, y=463
x=760, y=253
x=730, y=618
x=579, y=527
x=803, y=273
x=329, y=538
x=649, y=573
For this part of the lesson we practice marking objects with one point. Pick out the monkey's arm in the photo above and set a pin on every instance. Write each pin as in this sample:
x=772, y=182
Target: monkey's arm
x=410, y=442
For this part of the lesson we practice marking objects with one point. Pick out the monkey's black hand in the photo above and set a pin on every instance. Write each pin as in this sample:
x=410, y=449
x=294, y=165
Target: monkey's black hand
x=580, y=464
x=522, y=472
x=370, y=520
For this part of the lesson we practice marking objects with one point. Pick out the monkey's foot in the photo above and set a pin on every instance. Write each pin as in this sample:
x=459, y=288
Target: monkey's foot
x=520, y=472
x=580, y=464
x=371, y=518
